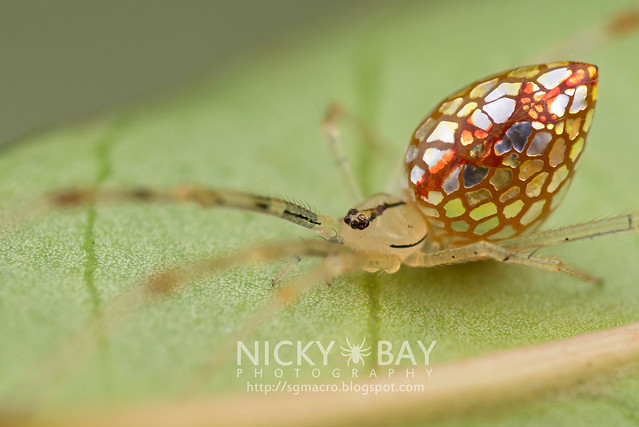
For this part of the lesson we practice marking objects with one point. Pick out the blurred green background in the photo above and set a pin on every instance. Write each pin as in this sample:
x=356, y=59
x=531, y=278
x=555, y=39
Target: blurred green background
x=68, y=57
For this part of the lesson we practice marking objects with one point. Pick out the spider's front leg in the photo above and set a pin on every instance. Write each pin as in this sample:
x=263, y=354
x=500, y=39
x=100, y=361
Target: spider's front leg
x=336, y=113
x=485, y=250
x=336, y=146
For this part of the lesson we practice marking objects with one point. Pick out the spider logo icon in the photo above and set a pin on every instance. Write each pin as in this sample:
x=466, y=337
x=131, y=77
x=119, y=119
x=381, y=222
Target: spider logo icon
x=356, y=353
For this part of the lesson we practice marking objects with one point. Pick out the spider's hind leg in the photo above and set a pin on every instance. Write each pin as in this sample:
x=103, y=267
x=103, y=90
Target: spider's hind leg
x=485, y=250
x=587, y=230
x=622, y=24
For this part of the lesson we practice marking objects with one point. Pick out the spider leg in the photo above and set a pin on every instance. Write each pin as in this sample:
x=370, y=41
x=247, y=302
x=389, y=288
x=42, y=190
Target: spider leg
x=335, y=113
x=336, y=259
x=486, y=250
x=587, y=230
x=336, y=147
x=206, y=197
x=619, y=25
x=393, y=184
x=286, y=270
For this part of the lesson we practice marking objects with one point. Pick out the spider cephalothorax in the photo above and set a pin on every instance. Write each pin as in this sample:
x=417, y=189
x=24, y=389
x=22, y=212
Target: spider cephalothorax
x=391, y=226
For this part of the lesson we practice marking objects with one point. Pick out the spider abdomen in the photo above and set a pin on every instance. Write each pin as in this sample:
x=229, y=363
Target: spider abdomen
x=491, y=161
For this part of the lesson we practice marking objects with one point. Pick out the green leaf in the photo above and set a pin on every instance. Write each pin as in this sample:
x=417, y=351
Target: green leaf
x=255, y=127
